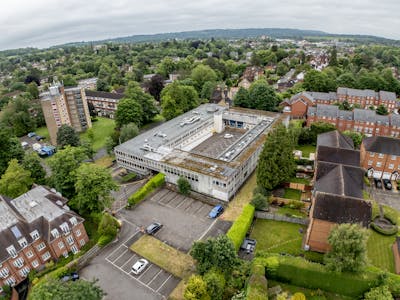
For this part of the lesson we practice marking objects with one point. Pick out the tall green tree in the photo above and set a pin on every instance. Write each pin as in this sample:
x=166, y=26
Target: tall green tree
x=183, y=186
x=53, y=289
x=215, y=282
x=333, y=57
x=128, y=111
x=319, y=82
x=276, y=162
x=10, y=148
x=32, y=163
x=201, y=74
x=128, y=131
x=348, y=248
x=63, y=167
x=177, y=98
x=17, y=118
x=242, y=98
x=93, y=186
x=262, y=96
x=15, y=181
x=33, y=90
x=67, y=136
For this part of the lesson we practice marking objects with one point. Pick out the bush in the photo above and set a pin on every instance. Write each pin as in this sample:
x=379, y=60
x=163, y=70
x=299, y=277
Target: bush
x=128, y=177
x=298, y=296
x=145, y=190
x=104, y=240
x=295, y=204
x=257, y=287
x=183, y=186
x=108, y=225
x=238, y=231
x=383, y=231
x=259, y=202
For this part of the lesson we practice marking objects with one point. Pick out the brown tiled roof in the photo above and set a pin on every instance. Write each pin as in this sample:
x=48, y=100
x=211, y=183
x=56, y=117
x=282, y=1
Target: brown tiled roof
x=382, y=144
x=338, y=155
x=107, y=95
x=335, y=139
x=341, y=209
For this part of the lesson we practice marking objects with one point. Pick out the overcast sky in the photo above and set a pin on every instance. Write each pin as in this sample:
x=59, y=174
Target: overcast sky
x=43, y=23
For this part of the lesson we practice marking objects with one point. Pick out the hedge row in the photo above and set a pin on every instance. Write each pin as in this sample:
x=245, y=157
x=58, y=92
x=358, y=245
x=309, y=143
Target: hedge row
x=238, y=231
x=383, y=231
x=145, y=190
x=257, y=287
x=300, y=272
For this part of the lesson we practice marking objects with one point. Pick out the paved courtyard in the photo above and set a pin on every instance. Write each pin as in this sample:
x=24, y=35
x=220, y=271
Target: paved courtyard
x=390, y=198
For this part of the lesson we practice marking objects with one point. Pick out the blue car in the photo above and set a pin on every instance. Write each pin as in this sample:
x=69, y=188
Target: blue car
x=216, y=211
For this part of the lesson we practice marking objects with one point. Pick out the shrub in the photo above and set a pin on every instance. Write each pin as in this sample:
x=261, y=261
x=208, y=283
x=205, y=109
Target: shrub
x=104, y=240
x=295, y=204
x=257, y=287
x=238, y=231
x=383, y=231
x=298, y=296
x=183, y=186
x=259, y=201
x=380, y=292
x=145, y=190
x=108, y=225
x=128, y=177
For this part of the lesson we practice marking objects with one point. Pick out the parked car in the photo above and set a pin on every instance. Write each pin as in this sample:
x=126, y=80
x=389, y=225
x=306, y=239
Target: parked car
x=139, y=266
x=378, y=183
x=24, y=145
x=387, y=184
x=73, y=276
x=31, y=134
x=153, y=228
x=39, y=137
x=216, y=211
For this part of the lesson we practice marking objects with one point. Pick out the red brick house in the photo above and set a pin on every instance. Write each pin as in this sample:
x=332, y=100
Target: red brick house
x=35, y=228
x=337, y=195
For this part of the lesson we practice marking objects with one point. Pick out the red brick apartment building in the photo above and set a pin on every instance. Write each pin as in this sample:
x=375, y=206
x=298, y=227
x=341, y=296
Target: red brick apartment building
x=365, y=121
x=337, y=195
x=380, y=156
x=298, y=104
x=35, y=228
x=104, y=103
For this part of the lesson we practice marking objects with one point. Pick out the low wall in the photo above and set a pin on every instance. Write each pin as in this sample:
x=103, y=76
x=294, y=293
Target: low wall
x=277, y=217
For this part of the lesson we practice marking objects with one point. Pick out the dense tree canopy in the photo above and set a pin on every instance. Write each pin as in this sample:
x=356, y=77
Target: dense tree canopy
x=32, y=163
x=177, y=98
x=15, y=181
x=348, y=248
x=128, y=111
x=67, y=136
x=10, y=148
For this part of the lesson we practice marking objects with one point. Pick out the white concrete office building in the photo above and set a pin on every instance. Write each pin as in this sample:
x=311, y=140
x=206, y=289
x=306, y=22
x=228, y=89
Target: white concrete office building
x=213, y=147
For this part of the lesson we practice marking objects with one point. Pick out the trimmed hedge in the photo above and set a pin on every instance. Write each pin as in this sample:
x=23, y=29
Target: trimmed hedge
x=145, y=190
x=380, y=230
x=300, y=272
x=238, y=231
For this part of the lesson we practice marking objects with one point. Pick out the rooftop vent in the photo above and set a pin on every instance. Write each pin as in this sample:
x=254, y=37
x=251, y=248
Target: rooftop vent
x=33, y=204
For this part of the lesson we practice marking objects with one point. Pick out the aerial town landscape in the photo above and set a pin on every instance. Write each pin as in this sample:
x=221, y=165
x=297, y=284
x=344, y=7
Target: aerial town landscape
x=243, y=164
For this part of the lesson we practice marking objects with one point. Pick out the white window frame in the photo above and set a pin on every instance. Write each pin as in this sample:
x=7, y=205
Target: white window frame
x=73, y=221
x=70, y=240
x=379, y=164
x=74, y=249
x=41, y=246
x=78, y=232
x=60, y=245
x=393, y=157
x=35, y=264
x=29, y=254
x=10, y=281
x=23, y=242
x=19, y=262
x=391, y=166
x=65, y=228
x=4, y=272
x=24, y=271
x=11, y=250
x=35, y=235
x=381, y=155
x=46, y=256
x=82, y=243
x=55, y=233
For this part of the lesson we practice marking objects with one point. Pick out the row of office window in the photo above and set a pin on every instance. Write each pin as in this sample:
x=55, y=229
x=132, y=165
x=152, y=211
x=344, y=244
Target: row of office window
x=184, y=174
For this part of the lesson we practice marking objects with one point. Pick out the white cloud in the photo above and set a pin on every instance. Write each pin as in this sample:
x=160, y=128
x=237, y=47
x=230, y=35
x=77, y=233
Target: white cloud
x=43, y=23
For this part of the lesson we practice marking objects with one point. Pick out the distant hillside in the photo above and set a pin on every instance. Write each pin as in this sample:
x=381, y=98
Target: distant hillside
x=243, y=33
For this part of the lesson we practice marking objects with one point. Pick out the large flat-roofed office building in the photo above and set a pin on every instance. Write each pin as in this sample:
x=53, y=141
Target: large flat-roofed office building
x=213, y=147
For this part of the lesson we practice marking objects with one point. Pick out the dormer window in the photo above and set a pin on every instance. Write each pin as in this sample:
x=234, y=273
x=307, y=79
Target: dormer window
x=73, y=221
x=11, y=250
x=35, y=235
x=55, y=233
x=64, y=227
x=23, y=243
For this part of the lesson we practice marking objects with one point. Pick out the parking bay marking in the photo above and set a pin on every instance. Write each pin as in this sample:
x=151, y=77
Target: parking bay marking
x=159, y=288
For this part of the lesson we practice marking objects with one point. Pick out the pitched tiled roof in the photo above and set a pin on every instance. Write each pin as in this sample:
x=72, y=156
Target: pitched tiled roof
x=339, y=179
x=338, y=155
x=327, y=110
x=106, y=95
x=382, y=144
x=340, y=209
x=331, y=96
x=335, y=139
x=365, y=115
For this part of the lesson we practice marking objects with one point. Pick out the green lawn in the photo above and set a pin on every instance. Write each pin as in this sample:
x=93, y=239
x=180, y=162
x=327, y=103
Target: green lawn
x=102, y=129
x=287, y=211
x=281, y=237
x=300, y=180
x=292, y=194
x=306, y=149
x=380, y=250
x=43, y=132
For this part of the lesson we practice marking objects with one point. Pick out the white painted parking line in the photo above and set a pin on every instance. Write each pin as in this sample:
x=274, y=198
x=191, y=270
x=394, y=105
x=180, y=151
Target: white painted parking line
x=183, y=201
x=159, y=288
x=208, y=229
x=145, y=271
x=133, y=256
x=123, y=253
x=155, y=276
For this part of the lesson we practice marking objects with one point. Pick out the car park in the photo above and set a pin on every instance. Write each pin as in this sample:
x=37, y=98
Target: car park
x=216, y=211
x=387, y=184
x=139, y=266
x=153, y=228
x=31, y=134
x=39, y=137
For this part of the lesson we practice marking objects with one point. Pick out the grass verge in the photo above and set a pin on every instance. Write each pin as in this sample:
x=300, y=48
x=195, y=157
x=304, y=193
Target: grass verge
x=166, y=257
x=379, y=249
x=242, y=198
x=105, y=161
x=306, y=150
x=177, y=293
x=43, y=131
